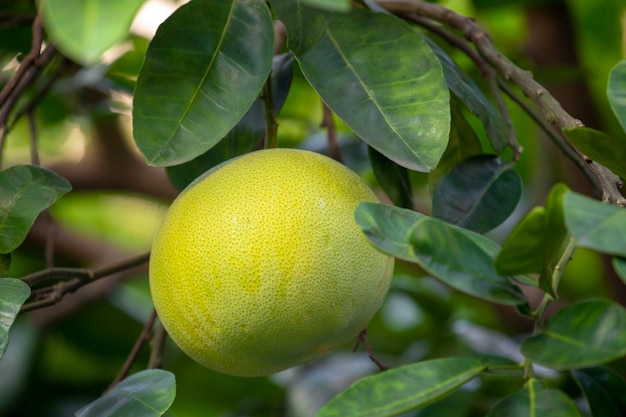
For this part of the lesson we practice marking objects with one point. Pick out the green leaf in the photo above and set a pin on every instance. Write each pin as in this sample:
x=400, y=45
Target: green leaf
x=456, y=256
x=478, y=194
x=392, y=178
x=595, y=225
x=305, y=25
x=13, y=293
x=583, y=334
x=84, y=29
x=147, y=393
x=394, y=95
x=604, y=389
x=463, y=87
x=600, y=147
x=619, y=265
x=244, y=137
x=402, y=389
x=203, y=70
x=616, y=91
x=536, y=244
x=334, y=5
x=535, y=400
x=25, y=191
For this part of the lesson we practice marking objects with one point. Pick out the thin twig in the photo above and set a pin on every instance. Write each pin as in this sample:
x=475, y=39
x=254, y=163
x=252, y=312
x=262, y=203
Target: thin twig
x=70, y=280
x=331, y=131
x=144, y=337
x=362, y=339
x=158, y=347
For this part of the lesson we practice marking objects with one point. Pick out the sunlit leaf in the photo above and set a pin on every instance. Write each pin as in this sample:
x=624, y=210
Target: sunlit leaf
x=393, y=93
x=203, y=70
x=402, y=389
x=147, y=393
x=25, y=191
x=305, y=25
x=595, y=225
x=600, y=147
x=535, y=400
x=392, y=178
x=478, y=194
x=456, y=256
x=581, y=335
x=604, y=389
x=244, y=137
x=536, y=244
x=85, y=29
x=13, y=293
x=616, y=91
x=463, y=87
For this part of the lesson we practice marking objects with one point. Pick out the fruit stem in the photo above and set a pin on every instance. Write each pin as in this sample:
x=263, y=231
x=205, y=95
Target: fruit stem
x=271, y=126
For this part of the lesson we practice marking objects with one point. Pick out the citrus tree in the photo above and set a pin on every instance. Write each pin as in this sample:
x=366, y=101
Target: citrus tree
x=503, y=211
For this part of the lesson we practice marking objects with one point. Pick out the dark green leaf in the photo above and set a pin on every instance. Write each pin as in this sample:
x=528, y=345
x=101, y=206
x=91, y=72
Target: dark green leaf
x=147, y=393
x=25, y=191
x=604, y=389
x=537, y=242
x=616, y=91
x=463, y=87
x=244, y=136
x=335, y=5
x=478, y=194
x=595, y=225
x=456, y=256
x=402, y=389
x=392, y=178
x=204, y=68
x=5, y=264
x=13, y=293
x=394, y=95
x=85, y=29
x=600, y=147
x=305, y=25
x=619, y=265
x=583, y=334
x=535, y=400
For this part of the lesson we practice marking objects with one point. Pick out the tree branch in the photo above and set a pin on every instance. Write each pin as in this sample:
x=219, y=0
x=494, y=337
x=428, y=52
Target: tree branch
x=551, y=109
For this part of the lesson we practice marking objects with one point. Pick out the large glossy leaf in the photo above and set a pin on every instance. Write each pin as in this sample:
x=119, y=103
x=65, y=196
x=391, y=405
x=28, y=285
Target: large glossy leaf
x=478, y=194
x=463, y=87
x=13, y=293
x=305, y=25
x=600, y=147
x=604, y=389
x=335, y=5
x=402, y=389
x=392, y=178
x=456, y=256
x=595, y=225
x=581, y=335
x=619, y=265
x=25, y=191
x=147, y=393
x=536, y=244
x=203, y=70
x=393, y=93
x=535, y=400
x=616, y=91
x=84, y=29
x=245, y=136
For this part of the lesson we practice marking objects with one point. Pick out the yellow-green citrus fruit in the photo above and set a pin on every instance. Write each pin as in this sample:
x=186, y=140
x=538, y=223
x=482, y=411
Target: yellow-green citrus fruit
x=259, y=264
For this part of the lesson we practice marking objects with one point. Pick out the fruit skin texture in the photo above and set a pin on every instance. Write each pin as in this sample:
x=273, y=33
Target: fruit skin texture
x=259, y=264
